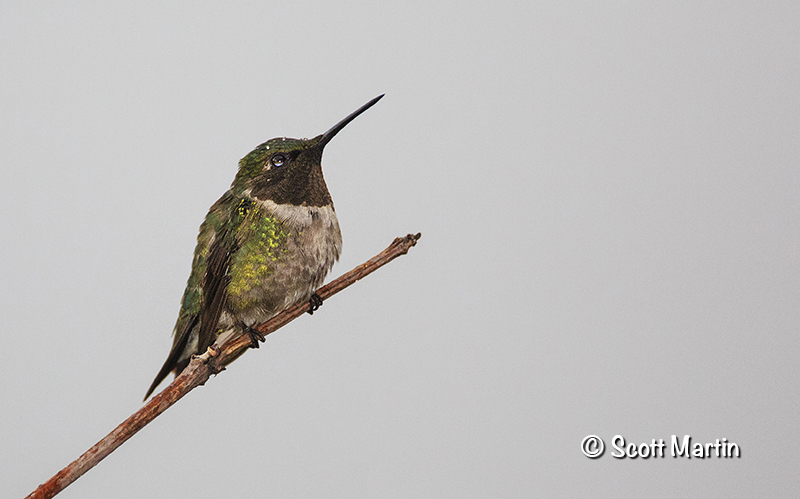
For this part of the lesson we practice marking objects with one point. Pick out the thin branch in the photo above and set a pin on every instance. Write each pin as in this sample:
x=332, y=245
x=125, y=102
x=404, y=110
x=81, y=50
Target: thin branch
x=202, y=367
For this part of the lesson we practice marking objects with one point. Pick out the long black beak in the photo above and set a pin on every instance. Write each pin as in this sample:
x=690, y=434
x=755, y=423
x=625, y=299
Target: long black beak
x=327, y=136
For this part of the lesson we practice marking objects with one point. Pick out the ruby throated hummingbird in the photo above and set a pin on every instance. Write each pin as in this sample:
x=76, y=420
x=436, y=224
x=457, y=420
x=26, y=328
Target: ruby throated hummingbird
x=265, y=245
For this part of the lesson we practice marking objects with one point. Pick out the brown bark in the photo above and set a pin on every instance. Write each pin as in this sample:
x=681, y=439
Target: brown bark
x=202, y=367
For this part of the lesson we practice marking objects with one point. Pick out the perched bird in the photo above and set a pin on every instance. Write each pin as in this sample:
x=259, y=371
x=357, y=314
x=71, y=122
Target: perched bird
x=265, y=245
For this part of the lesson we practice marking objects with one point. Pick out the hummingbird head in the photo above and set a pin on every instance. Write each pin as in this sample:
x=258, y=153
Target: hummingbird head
x=289, y=171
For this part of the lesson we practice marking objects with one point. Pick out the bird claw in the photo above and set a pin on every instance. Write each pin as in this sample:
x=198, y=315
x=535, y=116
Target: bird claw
x=314, y=303
x=254, y=335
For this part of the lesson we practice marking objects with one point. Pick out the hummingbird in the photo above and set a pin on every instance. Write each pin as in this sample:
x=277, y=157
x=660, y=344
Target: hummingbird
x=265, y=245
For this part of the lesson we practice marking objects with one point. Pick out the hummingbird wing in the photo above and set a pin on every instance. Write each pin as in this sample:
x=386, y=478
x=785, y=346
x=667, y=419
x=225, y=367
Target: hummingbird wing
x=206, y=291
x=215, y=286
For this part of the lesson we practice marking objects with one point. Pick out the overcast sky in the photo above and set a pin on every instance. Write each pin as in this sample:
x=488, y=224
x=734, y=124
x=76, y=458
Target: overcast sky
x=608, y=197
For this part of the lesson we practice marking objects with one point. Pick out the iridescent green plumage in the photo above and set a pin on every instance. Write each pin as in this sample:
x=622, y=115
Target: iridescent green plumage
x=266, y=244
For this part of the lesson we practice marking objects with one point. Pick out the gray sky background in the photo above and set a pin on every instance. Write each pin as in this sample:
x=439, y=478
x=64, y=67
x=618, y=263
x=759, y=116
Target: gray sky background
x=608, y=196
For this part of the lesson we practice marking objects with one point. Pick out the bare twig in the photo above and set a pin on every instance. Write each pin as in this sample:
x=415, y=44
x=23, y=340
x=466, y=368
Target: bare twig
x=202, y=367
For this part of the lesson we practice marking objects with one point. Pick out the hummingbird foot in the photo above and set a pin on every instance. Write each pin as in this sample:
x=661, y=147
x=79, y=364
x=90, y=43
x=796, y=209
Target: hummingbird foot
x=314, y=303
x=254, y=334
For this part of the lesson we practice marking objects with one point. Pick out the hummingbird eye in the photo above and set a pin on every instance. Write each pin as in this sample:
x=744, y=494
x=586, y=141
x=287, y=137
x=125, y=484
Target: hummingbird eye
x=278, y=160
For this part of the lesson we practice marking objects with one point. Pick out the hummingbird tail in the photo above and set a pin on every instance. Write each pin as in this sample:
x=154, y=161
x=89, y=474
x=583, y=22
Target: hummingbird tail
x=165, y=369
x=172, y=364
